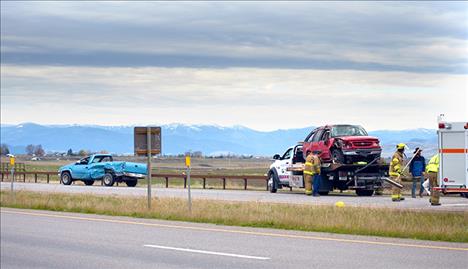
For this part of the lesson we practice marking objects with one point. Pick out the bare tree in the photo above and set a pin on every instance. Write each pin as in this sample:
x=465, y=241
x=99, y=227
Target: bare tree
x=30, y=149
x=39, y=151
x=4, y=150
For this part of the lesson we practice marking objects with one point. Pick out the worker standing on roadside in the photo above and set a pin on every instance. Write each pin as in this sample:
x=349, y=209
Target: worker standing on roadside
x=316, y=165
x=308, y=173
x=432, y=169
x=395, y=171
x=417, y=167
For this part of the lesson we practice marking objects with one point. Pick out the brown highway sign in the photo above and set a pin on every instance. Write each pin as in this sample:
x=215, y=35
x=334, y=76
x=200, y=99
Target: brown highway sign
x=141, y=141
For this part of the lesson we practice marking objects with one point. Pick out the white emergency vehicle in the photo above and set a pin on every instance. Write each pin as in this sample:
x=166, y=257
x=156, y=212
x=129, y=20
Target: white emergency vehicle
x=453, y=162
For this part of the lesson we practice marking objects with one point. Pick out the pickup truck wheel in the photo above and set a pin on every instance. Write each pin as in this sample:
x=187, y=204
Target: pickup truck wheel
x=131, y=183
x=66, y=178
x=337, y=156
x=88, y=182
x=360, y=192
x=271, y=183
x=108, y=179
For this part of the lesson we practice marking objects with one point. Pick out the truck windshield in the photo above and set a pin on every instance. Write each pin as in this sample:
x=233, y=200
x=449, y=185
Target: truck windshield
x=347, y=130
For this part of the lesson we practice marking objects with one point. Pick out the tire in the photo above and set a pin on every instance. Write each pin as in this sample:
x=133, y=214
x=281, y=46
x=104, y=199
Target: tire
x=360, y=192
x=271, y=183
x=88, y=182
x=131, y=183
x=337, y=156
x=464, y=194
x=108, y=180
x=66, y=178
x=324, y=193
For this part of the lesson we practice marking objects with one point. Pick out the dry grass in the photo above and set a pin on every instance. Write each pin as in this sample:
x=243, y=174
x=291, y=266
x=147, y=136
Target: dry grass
x=443, y=226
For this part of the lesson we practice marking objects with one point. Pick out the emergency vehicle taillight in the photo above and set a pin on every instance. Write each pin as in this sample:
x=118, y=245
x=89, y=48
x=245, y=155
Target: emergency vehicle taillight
x=443, y=125
x=445, y=179
x=466, y=125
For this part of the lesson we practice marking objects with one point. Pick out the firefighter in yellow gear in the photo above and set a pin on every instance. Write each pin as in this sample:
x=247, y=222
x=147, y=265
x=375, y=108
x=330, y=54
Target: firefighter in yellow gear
x=395, y=171
x=432, y=169
x=308, y=173
x=316, y=166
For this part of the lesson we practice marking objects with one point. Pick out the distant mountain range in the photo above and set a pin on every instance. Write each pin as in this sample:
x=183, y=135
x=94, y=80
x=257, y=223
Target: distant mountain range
x=179, y=138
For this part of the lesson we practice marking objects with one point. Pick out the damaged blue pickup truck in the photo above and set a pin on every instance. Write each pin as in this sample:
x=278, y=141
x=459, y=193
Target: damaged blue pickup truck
x=102, y=167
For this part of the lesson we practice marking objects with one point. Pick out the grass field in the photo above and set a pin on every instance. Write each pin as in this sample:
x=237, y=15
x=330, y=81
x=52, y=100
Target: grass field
x=443, y=226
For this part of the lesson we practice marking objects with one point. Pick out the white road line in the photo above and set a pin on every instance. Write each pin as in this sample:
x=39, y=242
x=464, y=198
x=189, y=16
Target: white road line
x=208, y=252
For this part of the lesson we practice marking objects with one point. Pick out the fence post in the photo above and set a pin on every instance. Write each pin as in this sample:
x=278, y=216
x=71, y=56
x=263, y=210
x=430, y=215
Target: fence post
x=224, y=183
x=267, y=184
x=185, y=182
x=24, y=177
x=48, y=178
x=245, y=184
x=204, y=183
x=35, y=178
x=167, y=182
x=2, y=176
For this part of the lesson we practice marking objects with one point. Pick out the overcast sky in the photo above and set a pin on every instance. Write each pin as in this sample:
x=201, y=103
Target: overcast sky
x=264, y=65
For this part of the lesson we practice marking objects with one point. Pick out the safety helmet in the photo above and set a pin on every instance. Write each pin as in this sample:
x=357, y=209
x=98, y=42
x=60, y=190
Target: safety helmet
x=401, y=146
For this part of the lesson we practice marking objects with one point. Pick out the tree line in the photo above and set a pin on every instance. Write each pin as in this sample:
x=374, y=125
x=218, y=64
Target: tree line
x=39, y=151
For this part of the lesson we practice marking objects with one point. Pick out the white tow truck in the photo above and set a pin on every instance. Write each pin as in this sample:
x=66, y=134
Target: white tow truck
x=287, y=171
x=453, y=158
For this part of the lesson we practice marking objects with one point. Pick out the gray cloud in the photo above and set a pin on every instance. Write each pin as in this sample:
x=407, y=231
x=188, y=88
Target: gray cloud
x=259, y=98
x=412, y=37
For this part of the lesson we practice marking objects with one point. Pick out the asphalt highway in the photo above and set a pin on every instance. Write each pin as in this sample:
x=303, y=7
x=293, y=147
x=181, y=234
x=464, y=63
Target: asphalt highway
x=452, y=203
x=43, y=239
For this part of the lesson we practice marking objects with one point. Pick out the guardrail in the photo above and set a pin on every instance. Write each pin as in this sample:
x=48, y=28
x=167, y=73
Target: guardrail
x=166, y=177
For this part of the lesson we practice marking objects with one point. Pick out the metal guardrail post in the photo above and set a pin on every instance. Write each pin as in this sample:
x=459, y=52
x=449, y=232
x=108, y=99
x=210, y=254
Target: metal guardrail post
x=224, y=183
x=245, y=183
x=35, y=178
x=167, y=182
x=185, y=182
x=48, y=178
x=204, y=183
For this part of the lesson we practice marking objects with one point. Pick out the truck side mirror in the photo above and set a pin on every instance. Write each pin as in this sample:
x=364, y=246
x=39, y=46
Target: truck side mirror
x=276, y=157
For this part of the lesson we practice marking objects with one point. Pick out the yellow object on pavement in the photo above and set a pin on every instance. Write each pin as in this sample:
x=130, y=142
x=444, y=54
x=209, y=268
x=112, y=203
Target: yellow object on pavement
x=339, y=204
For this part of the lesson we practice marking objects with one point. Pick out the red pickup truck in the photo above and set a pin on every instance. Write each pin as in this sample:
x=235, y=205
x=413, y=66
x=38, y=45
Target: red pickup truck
x=346, y=144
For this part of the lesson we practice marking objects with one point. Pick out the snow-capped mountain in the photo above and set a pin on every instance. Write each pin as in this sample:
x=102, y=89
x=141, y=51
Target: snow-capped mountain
x=179, y=138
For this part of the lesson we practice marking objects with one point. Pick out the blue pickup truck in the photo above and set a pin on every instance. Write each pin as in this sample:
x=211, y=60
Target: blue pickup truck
x=102, y=167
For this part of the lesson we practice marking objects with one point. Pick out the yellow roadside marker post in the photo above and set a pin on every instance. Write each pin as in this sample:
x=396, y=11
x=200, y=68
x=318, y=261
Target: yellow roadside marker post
x=12, y=164
x=187, y=164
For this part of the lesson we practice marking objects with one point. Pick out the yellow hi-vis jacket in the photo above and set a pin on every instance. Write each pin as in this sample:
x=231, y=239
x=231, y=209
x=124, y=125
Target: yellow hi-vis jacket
x=316, y=163
x=433, y=165
x=308, y=168
x=396, y=164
